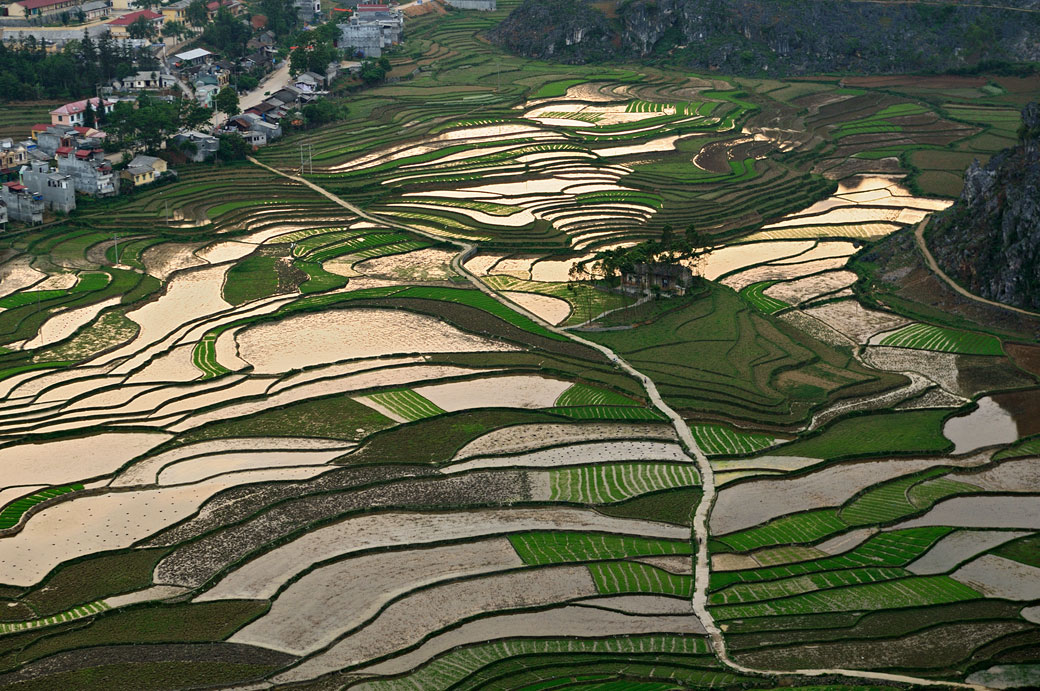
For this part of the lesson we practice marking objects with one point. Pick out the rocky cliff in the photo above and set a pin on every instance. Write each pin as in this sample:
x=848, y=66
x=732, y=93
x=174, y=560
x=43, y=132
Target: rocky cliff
x=989, y=241
x=781, y=37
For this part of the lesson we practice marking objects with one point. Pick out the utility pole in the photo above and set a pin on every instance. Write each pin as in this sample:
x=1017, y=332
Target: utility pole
x=167, y=203
x=116, y=238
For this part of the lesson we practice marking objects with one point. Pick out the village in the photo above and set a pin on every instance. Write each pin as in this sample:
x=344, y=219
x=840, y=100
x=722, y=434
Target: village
x=175, y=101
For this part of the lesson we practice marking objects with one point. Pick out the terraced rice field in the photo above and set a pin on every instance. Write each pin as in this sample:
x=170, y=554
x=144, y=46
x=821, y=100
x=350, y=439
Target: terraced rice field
x=283, y=441
x=929, y=337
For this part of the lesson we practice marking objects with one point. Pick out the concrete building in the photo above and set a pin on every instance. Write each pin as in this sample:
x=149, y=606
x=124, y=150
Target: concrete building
x=205, y=93
x=52, y=39
x=3, y=215
x=372, y=28
x=72, y=113
x=120, y=27
x=191, y=58
x=233, y=6
x=57, y=190
x=145, y=80
x=481, y=5
x=668, y=278
x=248, y=124
x=91, y=173
x=40, y=8
x=22, y=204
x=52, y=137
x=144, y=170
x=13, y=155
x=309, y=11
x=176, y=12
x=206, y=145
x=96, y=9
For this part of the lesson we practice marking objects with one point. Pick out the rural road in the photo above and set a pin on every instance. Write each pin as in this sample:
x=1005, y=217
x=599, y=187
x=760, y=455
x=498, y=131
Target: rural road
x=702, y=561
x=923, y=246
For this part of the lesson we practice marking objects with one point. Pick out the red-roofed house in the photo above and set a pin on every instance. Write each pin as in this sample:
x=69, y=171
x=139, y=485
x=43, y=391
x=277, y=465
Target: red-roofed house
x=72, y=113
x=39, y=8
x=233, y=6
x=119, y=28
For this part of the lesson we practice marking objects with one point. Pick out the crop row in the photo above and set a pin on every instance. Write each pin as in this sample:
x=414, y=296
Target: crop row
x=612, y=482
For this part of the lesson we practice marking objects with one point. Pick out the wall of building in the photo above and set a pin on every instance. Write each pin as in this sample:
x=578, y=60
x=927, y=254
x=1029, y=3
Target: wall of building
x=482, y=5
x=57, y=191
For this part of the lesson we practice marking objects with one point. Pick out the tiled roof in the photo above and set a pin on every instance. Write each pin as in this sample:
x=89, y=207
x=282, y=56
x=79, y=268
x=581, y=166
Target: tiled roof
x=80, y=106
x=128, y=19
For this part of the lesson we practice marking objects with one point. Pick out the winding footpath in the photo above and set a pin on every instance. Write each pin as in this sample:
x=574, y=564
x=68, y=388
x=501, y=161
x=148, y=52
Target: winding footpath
x=934, y=266
x=702, y=561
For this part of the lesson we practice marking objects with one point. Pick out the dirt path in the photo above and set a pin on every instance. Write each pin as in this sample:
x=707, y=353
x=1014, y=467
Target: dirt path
x=923, y=246
x=702, y=560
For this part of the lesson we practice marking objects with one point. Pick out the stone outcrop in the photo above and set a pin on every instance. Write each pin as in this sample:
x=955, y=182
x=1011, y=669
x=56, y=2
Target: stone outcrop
x=989, y=241
x=774, y=37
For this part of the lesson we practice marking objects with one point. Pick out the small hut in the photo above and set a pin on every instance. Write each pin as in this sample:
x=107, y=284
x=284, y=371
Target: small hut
x=673, y=279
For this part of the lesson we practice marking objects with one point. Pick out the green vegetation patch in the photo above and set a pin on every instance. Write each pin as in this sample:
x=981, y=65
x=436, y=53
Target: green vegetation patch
x=555, y=89
x=481, y=301
x=1025, y=550
x=755, y=294
x=890, y=549
x=585, y=395
x=907, y=592
x=1030, y=446
x=251, y=279
x=407, y=403
x=929, y=337
x=94, y=578
x=799, y=528
x=674, y=506
x=437, y=439
x=337, y=417
x=13, y=512
x=610, y=412
x=446, y=671
x=720, y=440
x=614, y=482
x=558, y=548
x=621, y=577
x=876, y=434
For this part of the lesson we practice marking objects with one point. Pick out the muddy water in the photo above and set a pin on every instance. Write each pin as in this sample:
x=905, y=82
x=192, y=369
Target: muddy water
x=989, y=424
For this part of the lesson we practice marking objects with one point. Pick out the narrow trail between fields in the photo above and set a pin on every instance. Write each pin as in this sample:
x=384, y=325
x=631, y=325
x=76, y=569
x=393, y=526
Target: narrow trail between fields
x=934, y=266
x=702, y=562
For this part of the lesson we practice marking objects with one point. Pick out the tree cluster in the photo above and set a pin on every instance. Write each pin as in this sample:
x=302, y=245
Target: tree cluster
x=29, y=72
x=611, y=264
x=227, y=33
x=146, y=124
x=282, y=18
x=314, y=50
x=374, y=71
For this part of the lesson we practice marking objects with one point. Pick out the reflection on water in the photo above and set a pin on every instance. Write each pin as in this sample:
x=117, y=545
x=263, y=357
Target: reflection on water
x=1024, y=408
x=989, y=424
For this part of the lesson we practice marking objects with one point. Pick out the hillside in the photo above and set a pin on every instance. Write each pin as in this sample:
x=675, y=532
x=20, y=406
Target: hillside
x=753, y=37
x=989, y=240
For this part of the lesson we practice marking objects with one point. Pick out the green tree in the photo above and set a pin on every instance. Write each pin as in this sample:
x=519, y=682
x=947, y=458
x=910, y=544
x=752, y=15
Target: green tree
x=247, y=82
x=196, y=13
x=141, y=28
x=372, y=72
x=232, y=147
x=175, y=30
x=90, y=115
x=226, y=101
x=322, y=111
